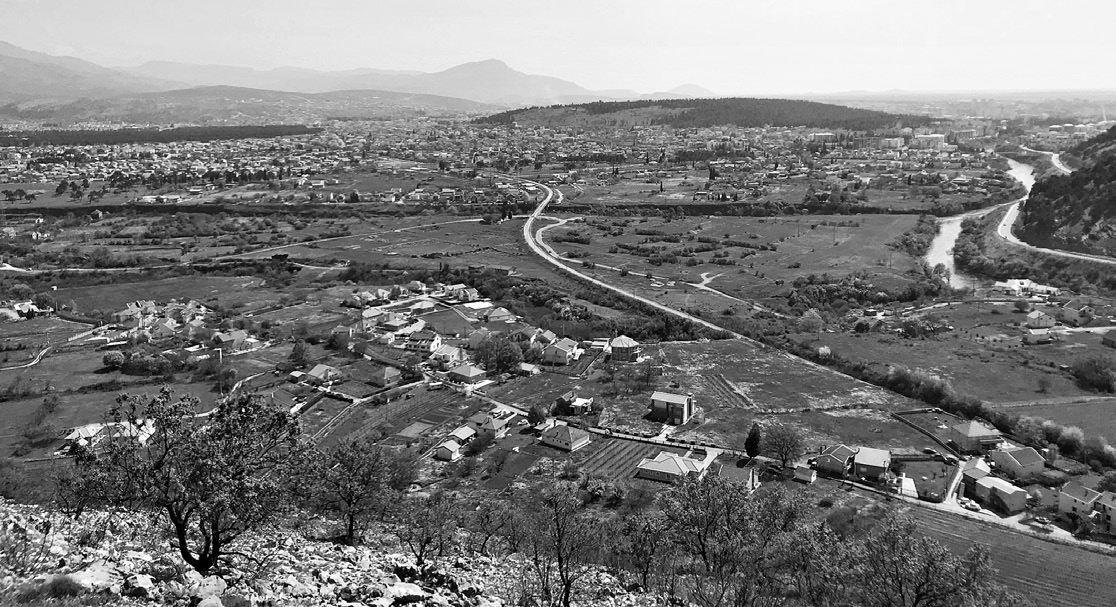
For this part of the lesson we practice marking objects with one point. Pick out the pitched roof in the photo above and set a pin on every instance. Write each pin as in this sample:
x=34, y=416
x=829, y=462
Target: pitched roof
x=672, y=463
x=973, y=429
x=624, y=342
x=565, y=433
x=1024, y=456
x=841, y=452
x=1080, y=492
x=667, y=397
x=867, y=456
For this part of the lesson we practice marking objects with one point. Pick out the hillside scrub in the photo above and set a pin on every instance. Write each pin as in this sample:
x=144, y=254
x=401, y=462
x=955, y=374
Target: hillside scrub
x=213, y=478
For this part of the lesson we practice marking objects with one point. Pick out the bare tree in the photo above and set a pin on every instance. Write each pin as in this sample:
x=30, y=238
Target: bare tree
x=426, y=525
x=783, y=442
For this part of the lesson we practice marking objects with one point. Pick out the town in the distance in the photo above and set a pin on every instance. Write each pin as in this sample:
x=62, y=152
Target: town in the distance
x=709, y=351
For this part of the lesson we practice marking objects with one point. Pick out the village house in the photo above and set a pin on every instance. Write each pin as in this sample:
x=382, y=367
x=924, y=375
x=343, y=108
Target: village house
x=231, y=341
x=322, y=374
x=449, y=451
x=384, y=377
x=561, y=352
x=1001, y=495
x=494, y=425
x=424, y=342
x=974, y=436
x=1076, y=313
x=1109, y=338
x=570, y=404
x=498, y=315
x=1039, y=320
x=566, y=438
x=93, y=437
x=672, y=408
x=1105, y=508
x=1018, y=462
x=624, y=349
x=835, y=460
x=466, y=374
x=669, y=467
x=448, y=357
x=871, y=464
x=1076, y=500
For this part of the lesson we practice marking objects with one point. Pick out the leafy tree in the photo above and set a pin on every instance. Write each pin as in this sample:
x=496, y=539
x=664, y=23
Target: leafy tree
x=213, y=478
x=783, y=442
x=536, y=415
x=752, y=443
x=1095, y=373
x=499, y=354
x=113, y=360
x=810, y=322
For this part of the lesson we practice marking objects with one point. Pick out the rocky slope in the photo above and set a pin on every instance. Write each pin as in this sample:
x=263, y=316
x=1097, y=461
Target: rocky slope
x=128, y=560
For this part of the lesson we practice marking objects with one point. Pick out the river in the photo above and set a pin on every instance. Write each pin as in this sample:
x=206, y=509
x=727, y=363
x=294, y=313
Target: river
x=941, y=249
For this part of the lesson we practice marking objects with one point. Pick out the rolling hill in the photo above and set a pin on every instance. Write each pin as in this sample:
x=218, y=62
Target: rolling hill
x=1077, y=212
x=698, y=113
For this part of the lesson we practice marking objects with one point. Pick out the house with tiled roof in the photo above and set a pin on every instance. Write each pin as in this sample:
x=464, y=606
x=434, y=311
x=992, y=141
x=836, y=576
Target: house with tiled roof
x=566, y=438
x=974, y=436
x=1018, y=462
x=1077, y=500
x=669, y=467
x=835, y=460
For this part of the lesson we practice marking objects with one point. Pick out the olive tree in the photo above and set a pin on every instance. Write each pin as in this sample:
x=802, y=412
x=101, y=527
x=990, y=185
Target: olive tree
x=212, y=478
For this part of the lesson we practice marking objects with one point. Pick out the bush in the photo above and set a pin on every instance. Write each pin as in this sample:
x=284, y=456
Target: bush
x=59, y=587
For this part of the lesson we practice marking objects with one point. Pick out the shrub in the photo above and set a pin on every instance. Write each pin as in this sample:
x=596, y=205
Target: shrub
x=59, y=587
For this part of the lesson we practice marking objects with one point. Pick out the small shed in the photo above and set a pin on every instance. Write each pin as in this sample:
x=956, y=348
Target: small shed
x=805, y=474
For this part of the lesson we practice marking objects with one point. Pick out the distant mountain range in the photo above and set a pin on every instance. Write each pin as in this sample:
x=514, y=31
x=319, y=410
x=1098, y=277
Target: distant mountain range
x=217, y=105
x=490, y=81
x=29, y=76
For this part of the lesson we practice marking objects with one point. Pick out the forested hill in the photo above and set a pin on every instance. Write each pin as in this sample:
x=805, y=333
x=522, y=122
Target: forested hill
x=697, y=113
x=1077, y=211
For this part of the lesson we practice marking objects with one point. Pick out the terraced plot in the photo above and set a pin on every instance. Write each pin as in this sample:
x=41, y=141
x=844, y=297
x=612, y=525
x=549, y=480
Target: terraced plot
x=1044, y=572
x=617, y=458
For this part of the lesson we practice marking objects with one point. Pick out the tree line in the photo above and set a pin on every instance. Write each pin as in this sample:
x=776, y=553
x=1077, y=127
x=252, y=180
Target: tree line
x=150, y=135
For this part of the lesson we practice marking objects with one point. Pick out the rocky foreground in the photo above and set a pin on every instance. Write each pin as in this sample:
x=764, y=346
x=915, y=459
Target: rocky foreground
x=128, y=560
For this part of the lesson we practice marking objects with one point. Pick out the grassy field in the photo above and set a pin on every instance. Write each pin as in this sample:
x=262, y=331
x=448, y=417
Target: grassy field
x=227, y=290
x=983, y=356
x=1097, y=417
x=816, y=245
x=80, y=409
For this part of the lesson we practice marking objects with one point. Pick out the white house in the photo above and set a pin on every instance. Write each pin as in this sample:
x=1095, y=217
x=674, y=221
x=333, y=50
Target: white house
x=566, y=437
x=1039, y=320
x=1018, y=462
x=1075, y=499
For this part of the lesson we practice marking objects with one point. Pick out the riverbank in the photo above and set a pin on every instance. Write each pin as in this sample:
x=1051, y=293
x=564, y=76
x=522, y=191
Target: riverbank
x=949, y=229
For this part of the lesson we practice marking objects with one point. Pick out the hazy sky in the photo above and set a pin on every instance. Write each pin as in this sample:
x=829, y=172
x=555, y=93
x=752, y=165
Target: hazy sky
x=731, y=46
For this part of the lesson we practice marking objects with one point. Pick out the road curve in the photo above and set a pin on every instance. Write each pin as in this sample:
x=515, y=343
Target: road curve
x=1004, y=230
